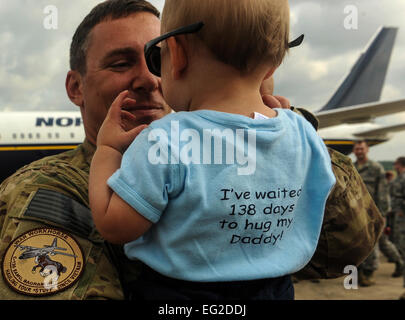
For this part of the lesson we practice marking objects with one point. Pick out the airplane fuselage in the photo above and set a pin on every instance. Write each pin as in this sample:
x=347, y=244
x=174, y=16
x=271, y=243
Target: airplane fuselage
x=29, y=136
x=342, y=137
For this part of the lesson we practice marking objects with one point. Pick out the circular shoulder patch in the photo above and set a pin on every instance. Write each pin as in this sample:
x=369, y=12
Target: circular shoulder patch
x=42, y=261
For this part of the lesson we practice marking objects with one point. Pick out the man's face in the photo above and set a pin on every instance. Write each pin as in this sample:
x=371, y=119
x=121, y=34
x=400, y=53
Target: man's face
x=398, y=168
x=116, y=62
x=360, y=150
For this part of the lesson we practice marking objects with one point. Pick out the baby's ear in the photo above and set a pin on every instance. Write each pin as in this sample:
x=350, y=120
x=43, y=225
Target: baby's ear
x=178, y=55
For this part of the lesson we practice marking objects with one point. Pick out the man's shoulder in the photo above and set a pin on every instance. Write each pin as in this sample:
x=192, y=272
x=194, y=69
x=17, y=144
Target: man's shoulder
x=48, y=166
x=340, y=160
x=376, y=166
x=66, y=172
x=352, y=223
x=370, y=168
x=400, y=180
x=342, y=166
x=51, y=194
x=348, y=180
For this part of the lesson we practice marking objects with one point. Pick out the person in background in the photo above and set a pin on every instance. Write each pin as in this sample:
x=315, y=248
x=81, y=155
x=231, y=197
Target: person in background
x=398, y=207
x=373, y=176
x=390, y=176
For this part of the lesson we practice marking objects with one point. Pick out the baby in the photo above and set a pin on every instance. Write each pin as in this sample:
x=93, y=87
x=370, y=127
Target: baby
x=223, y=199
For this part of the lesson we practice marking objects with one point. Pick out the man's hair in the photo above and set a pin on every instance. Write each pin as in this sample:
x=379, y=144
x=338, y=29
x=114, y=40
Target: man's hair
x=240, y=33
x=361, y=142
x=110, y=9
x=401, y=161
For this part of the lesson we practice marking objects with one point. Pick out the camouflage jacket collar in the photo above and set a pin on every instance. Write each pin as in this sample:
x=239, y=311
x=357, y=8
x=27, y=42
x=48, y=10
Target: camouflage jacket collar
x=89, y=149
x=359, y=166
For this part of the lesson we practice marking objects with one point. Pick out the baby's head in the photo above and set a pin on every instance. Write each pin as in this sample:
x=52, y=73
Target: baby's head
x=242, y=34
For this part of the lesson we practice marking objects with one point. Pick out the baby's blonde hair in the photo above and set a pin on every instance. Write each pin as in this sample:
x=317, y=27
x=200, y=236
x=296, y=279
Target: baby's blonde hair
x=241, y=33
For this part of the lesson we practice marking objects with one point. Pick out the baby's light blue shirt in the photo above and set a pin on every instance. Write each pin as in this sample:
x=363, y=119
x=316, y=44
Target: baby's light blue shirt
x=252, y=209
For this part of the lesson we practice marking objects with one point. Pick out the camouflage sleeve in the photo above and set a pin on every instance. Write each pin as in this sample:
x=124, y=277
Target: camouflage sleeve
x=401, y=197
x=382, y=193
x=312, y=119
x=351, y=227
x=99, y=279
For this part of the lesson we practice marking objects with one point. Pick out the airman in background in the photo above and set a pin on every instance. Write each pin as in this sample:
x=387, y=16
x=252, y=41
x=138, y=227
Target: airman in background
x=390, y=176
x=373, y=176
x=398, y=207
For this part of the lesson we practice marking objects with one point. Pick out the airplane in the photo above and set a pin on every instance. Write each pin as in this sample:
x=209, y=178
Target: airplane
x=346, y=117
x=29, y=136
x=352, y=108
x=32, y=252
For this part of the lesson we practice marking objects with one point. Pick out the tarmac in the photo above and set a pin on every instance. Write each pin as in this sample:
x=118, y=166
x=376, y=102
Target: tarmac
x=386, y=287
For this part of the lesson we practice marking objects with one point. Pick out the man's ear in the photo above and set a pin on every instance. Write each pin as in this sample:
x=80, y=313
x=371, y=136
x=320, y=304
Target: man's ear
x=178, y=55
x=267, y=86
x=269, y=73
x=74, y=87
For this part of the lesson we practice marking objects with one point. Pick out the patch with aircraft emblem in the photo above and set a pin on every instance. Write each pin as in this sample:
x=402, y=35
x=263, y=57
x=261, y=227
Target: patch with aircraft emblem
x=42, y=262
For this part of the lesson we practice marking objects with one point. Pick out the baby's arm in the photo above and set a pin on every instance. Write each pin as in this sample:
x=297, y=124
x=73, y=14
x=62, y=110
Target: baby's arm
x=116, y=221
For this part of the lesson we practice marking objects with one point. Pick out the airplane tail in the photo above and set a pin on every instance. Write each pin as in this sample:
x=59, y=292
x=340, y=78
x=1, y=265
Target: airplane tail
x=366, y=79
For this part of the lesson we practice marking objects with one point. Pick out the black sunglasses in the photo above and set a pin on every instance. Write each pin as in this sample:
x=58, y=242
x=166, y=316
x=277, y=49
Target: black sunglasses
x=152, y=52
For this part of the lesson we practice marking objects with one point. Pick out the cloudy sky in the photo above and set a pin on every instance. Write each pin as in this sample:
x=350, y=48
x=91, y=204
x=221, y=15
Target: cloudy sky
x=34, y=57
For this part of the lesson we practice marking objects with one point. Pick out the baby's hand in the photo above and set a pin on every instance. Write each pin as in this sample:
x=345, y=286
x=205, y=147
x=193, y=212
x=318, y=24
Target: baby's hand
x=112, y=133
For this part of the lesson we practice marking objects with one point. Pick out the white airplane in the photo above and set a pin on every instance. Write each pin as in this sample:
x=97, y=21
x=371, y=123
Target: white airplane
x=348, y=116
x=27, y=136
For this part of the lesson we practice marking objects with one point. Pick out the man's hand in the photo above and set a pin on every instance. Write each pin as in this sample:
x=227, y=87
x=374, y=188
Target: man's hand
x=113, y=133
x=273, y=102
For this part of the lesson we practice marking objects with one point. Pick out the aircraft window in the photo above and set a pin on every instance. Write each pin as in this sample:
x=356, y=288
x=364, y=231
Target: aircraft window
x=30, y=136
x=49, y=135
x=38, y=135
x=72, y=134
x=22, y=136
x=57, y=135
x=14, y=136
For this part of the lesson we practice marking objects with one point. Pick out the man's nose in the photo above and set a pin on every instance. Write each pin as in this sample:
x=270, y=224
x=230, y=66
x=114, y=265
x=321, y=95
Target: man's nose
x=144, y=80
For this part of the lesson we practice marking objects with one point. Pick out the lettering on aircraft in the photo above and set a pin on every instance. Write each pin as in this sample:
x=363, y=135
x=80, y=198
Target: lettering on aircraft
x=58, y=121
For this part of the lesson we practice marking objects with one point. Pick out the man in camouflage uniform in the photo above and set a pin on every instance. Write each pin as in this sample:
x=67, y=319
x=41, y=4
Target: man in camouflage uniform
x=104, y=65
x=397, y=191
x=374, y=177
